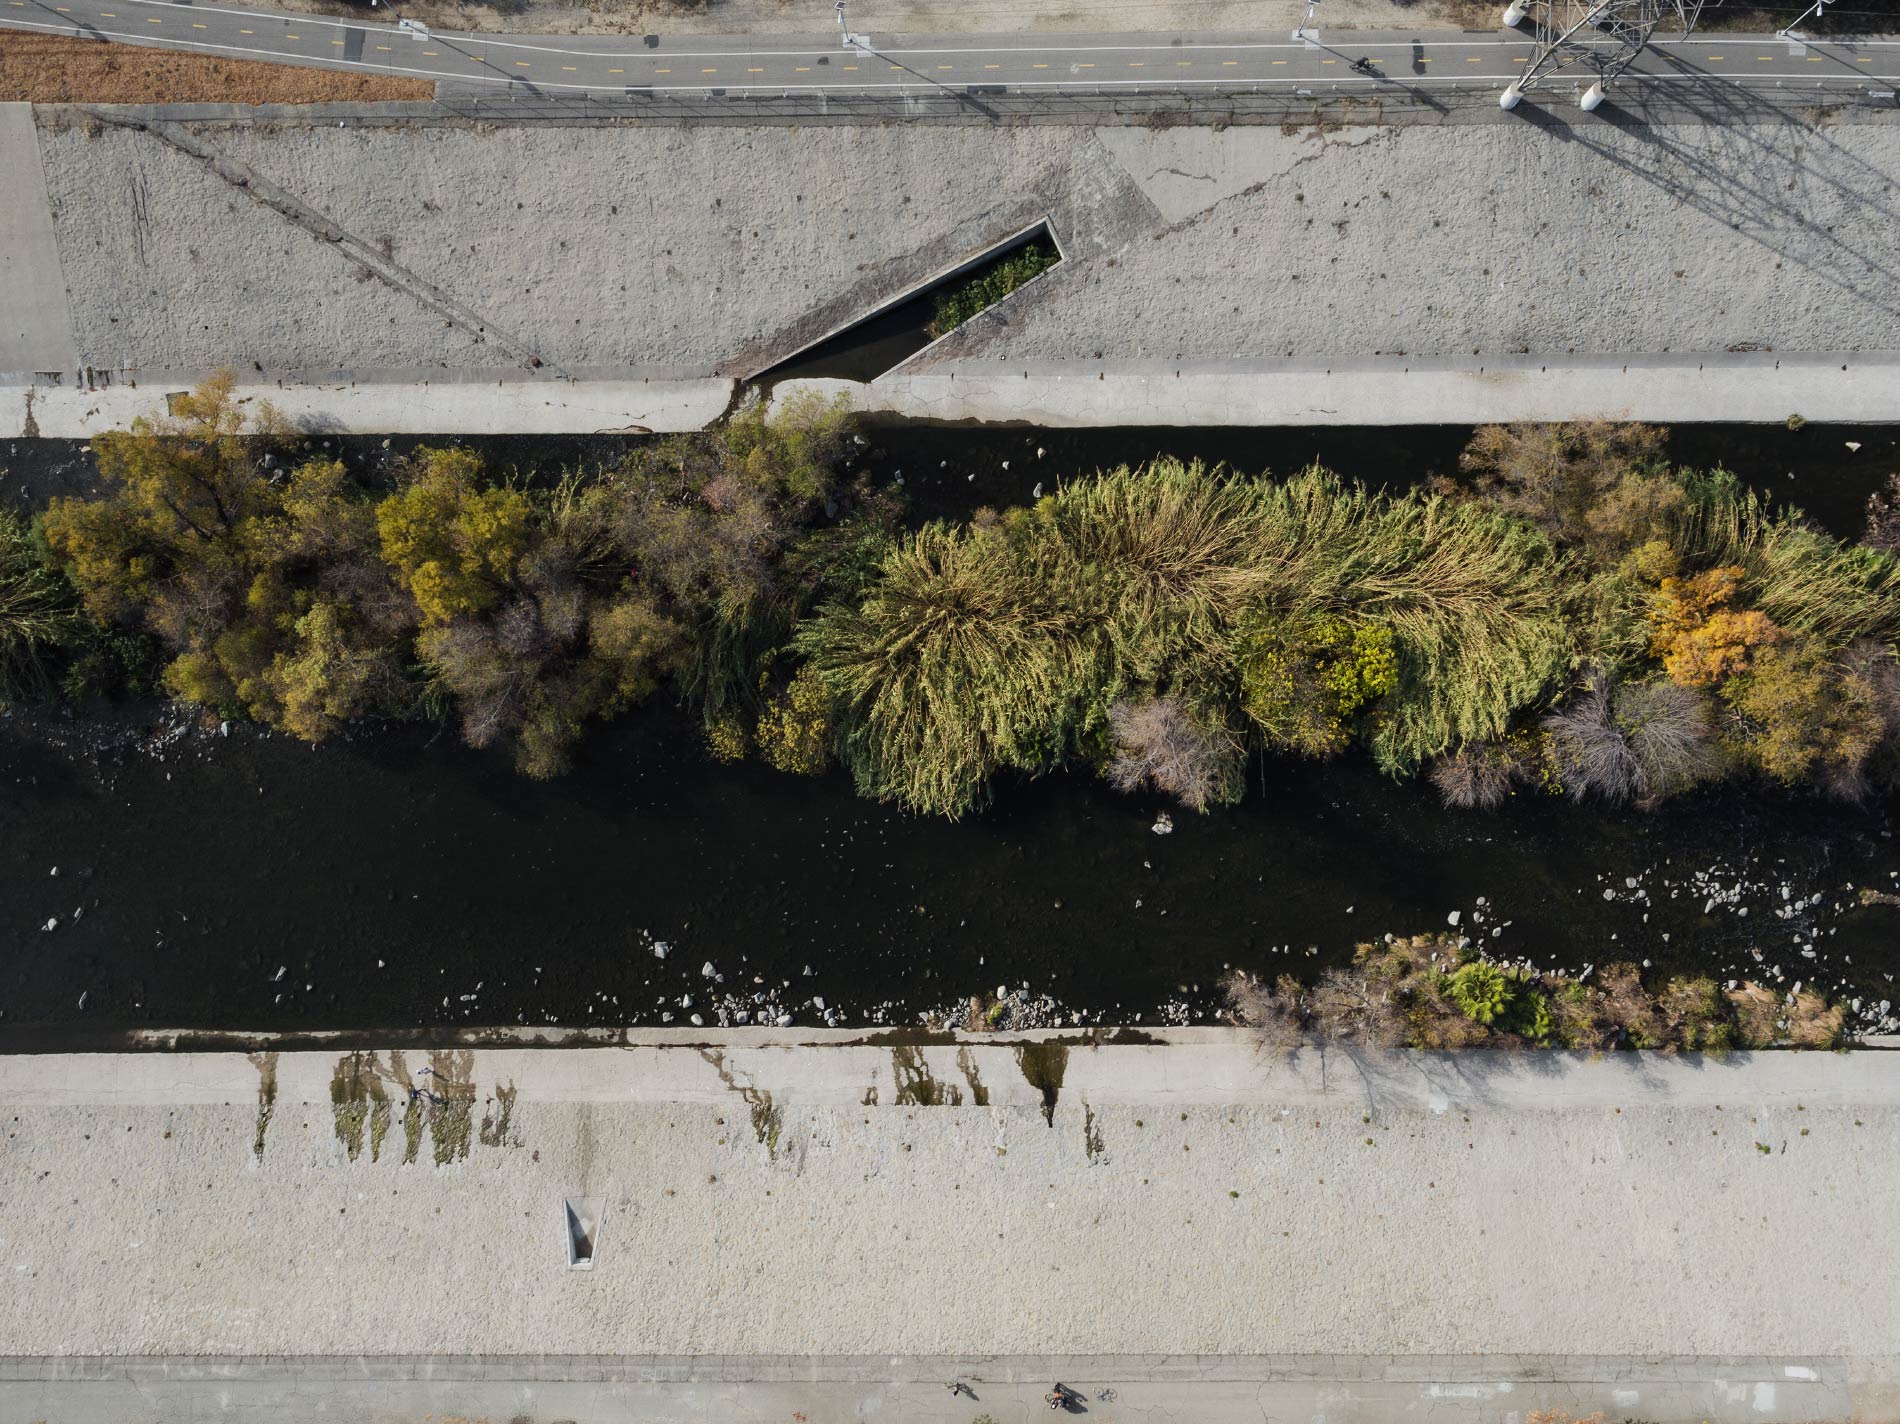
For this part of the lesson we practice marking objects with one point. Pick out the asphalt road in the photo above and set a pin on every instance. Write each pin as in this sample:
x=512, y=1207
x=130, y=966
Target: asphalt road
x=895, y=64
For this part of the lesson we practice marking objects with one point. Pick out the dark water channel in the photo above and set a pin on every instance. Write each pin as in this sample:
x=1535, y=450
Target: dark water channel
x=155, y=873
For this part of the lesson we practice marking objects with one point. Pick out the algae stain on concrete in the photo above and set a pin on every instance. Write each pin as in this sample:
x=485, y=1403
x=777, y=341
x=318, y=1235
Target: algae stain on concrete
x=378, y=1128
x=768, y=1121
x=498, y=1114
x=411, y=1131
x=966, y=1064
x=266, y=1065
x=768, y=1118
x=1092, y=1143
x=451, y=1103
x=1043, y=1065
x=359, y=1105
x=441, y=1097
x=917, y=1085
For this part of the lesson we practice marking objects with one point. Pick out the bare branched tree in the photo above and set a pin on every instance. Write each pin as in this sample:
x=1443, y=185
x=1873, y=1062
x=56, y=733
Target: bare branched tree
x=1276, y=1013
x=1350, y=1006
x=1592, y=753
x=1669, y=732
x=1160, y=744
x=1477, y=776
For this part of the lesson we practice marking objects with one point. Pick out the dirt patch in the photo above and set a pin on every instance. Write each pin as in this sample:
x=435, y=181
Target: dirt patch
x=53, y=69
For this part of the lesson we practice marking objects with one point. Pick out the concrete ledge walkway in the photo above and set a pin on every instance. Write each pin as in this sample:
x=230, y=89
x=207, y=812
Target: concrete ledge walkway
x=1742, y=387
x=416, y=405
x=846, y=1068
x=1204, y=1389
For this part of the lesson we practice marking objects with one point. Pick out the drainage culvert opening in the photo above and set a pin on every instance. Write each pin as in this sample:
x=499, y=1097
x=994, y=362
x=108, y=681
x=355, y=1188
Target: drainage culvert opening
x=580, y=1220
x=902, y=327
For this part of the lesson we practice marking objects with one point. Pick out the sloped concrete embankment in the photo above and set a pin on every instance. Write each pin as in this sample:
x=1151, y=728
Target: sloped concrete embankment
x=1249, y=274
x=1187, y=1196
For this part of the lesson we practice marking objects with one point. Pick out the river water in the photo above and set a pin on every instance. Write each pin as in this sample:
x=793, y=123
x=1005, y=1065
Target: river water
x=160, y=873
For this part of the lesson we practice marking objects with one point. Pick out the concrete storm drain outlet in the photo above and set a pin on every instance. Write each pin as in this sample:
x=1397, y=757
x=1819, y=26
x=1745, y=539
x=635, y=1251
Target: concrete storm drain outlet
x=580, y=1217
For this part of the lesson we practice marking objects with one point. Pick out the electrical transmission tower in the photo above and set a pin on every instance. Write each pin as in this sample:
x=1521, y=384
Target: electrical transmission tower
x=1600, y=37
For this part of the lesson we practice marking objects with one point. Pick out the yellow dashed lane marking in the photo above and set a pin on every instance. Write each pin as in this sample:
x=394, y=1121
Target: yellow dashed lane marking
x=150, y=21
x=657, y=71
x=197, y=27
x=432, y=54
x=992, y=66
x=1137, y=64
x=617, y=71
x=1279, y=61
x=1235, y=61
x=522, y=64
x=383, y=48
x=1473, y=59
x=567, y=69
x=755, y=71
x=1038, y=66
x=708, y=71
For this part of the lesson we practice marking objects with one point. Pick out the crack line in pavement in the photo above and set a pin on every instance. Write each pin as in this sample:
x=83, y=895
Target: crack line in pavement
x=324, y=229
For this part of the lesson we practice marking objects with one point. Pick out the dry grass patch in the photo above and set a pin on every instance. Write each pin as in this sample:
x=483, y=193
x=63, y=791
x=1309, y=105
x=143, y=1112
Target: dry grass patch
x=55, y=69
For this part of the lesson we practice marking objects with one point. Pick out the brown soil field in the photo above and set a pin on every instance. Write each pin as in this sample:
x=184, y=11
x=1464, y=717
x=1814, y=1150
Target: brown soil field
x=54, y=69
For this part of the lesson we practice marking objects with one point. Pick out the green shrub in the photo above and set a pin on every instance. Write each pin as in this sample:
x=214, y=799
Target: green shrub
x=1530, y=1015
x=38, y=612
x=963, y=300
x=1305, y=685
x=1482, y=991
x=957, y=663
x=1427, y=992
x=794, y=727
x=453, y=538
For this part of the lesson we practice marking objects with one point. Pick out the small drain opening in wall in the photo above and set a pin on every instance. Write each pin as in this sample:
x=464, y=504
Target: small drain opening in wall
x=906, y=324
x=580, y=1218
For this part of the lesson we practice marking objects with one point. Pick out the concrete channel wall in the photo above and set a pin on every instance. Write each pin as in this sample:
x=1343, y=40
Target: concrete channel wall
x=1250, y=274
x=1669, y=1237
